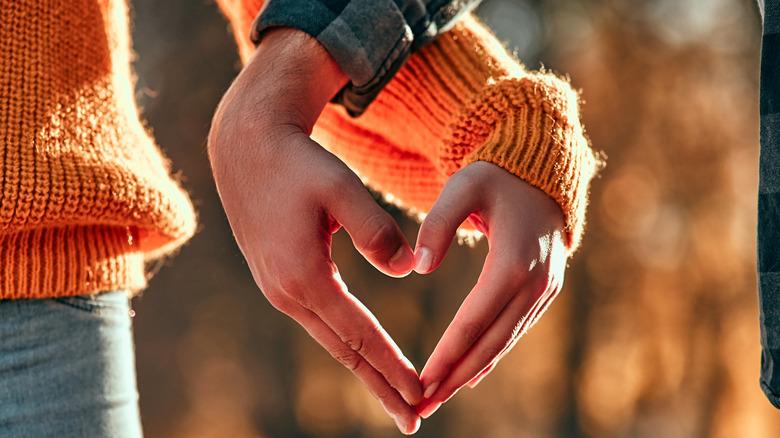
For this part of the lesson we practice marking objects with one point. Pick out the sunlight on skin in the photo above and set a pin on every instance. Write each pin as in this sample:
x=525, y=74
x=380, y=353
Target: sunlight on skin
x=358, y=303
x=291, y=262
x=405, y=428
x=523, y=273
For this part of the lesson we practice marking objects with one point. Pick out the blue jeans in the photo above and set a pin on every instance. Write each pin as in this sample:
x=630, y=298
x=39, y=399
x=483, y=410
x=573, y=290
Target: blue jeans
x=67, y=368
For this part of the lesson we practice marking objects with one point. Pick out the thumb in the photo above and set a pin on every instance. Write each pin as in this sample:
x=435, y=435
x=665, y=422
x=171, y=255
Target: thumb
x=457, y=200
x=374, y=232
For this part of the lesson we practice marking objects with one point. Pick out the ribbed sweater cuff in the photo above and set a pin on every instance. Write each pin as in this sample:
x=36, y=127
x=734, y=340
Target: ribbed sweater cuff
x=530, y=127
x=49, y=262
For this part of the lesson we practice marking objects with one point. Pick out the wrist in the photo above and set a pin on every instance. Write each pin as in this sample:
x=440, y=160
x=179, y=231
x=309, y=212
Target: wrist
x=288, y=81
x=280, y=92
x=301, y=65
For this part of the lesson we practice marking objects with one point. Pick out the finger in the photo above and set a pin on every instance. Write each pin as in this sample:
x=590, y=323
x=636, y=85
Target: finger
x=314, y=284
x=514, y=262
x=373, y=231
x=534, y=316
x=301, y=278
x=457, y=200
x=497, y=285
x=360, y=331
x=482, y=374
x=442, y=388
x=404, y=415
x=496, y=342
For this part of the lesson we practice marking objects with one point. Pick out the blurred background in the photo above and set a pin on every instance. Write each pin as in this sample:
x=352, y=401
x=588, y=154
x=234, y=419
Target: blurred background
x=656, y=331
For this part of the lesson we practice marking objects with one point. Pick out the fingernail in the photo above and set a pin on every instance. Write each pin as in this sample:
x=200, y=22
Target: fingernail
x=402, y=260
x=424, y=258
x=430, y=389
x=429, y=410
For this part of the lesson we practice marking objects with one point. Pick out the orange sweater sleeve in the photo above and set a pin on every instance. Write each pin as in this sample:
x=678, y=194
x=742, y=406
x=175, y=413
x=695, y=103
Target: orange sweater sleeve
x=86, y=196
x=460, y=99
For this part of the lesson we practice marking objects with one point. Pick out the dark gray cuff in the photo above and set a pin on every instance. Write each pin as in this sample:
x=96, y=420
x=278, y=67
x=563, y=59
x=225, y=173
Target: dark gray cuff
x=770, y=380
x=773, y=398
x=369, y=39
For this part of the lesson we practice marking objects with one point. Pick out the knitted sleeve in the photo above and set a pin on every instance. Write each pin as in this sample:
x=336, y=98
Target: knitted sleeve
x=462, y=99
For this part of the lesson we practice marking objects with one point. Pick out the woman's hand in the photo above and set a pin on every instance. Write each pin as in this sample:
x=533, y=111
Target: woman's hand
x=523, y=272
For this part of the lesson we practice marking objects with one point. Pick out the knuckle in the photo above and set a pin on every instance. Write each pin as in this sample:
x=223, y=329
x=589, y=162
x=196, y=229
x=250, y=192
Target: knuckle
x=525, y=273
x=472, y=331
x=357, y=343
x=382, y=231
x=279, y=302
x=384, y=396
x=468, y=179
x=437, y=222
x=349, y=358
x=344, y=181
x=294, y=289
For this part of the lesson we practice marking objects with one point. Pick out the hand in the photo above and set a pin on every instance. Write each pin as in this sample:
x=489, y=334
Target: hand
x=523, y=272
x=285, y=195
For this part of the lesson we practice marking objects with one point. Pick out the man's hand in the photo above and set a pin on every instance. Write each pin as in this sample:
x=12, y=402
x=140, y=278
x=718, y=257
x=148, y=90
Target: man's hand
x=523, y=272
x=285, y=195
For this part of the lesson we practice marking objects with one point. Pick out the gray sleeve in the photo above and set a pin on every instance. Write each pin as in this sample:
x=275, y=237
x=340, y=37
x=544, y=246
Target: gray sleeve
x=369, y=39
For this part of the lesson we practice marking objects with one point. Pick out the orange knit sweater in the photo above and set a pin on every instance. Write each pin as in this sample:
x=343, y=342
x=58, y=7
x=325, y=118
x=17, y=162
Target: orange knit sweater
x=85, y=195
